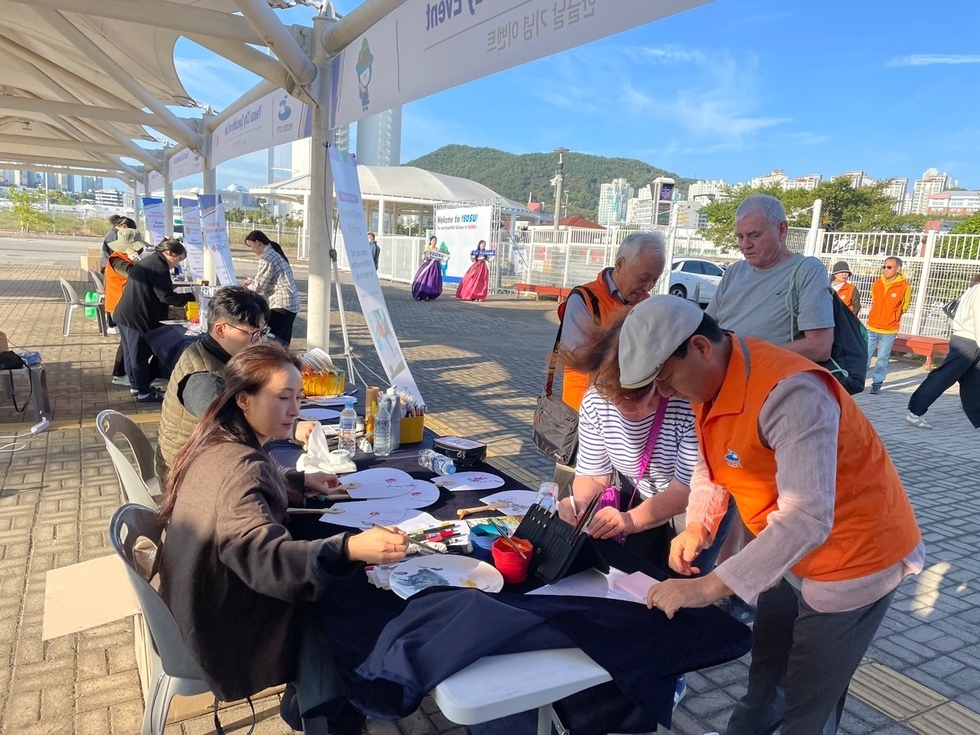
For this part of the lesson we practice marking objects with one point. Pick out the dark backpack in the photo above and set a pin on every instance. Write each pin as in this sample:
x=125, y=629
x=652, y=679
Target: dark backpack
x=848, y=361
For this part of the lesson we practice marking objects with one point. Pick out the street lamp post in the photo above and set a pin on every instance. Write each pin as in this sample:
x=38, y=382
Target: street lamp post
x=557, y=183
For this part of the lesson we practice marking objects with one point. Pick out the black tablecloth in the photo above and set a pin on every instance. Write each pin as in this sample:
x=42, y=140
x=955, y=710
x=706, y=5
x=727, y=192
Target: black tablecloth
x=391, y=652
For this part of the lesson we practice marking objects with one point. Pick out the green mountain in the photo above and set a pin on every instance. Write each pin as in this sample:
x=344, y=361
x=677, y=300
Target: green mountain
x=515, y=176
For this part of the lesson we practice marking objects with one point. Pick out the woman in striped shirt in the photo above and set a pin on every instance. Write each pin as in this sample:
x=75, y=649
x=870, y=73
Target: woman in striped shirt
x=274, y=280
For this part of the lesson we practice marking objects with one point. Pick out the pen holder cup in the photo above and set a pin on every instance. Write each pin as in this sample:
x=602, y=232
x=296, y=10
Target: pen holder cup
x=412, y=429
x=511, y=565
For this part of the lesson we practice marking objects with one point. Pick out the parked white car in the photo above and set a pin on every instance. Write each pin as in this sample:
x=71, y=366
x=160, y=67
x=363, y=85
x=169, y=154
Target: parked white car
x=688, y=275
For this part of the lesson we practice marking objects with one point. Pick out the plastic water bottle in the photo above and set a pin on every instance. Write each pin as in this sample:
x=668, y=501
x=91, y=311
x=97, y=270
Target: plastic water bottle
x=438, y=463
x=547, y=496
x=348, y=429
x=382, y=432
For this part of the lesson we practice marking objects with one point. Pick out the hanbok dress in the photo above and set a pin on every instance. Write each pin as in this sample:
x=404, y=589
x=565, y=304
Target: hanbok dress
x=476, y=283
x=427, y=284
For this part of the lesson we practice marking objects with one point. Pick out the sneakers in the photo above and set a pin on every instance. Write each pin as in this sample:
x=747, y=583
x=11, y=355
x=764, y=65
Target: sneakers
x=742, y=611
x=120, y=380
x=680, y=690
x=112, y=330
x=917, y=421
x=154, y=396
x=875, y=389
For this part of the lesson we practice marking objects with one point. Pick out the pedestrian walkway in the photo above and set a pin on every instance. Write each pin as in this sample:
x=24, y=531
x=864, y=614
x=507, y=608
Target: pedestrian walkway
x=480, y=367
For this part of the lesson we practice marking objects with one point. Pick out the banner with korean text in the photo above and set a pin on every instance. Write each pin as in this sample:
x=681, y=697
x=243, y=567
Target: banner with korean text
x=190, y=213
x=426, y=46
x=156, y=228
x=216, y=237
x=458, y=232
x=275, y=119
x=350, y=209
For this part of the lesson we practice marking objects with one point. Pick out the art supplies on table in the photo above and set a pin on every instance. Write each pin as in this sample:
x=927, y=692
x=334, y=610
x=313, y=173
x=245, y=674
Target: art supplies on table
x=362, y=515
x=469, y=481
x=379, y=482
x=559, y=548
x=324, y=401
x=616, y=585
x=463, y=452
x=416, y=574
x=516, y=502
x=463, y=512
x=424, y=526
x=424, y=495
x=317, y=414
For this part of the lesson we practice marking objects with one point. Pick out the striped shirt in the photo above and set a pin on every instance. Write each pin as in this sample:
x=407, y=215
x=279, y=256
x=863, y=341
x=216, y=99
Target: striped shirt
x=274, y=280
x=608, y=441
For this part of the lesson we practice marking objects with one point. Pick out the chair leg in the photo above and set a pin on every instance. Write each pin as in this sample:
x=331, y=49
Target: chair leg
x=150, y=705
x=67, y=323
x=161, y=704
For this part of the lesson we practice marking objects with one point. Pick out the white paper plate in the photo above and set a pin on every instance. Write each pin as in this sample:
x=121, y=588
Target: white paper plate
x=518, y=501
x=361, y=515
x=470, y=481
x=318, y=414
x=379, y=482
x=422, y=495
x=444, y=570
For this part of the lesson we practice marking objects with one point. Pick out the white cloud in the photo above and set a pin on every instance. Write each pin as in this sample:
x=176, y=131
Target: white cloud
x=933, y=59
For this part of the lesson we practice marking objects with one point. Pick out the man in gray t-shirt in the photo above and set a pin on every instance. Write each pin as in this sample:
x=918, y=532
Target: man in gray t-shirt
x=752, y=297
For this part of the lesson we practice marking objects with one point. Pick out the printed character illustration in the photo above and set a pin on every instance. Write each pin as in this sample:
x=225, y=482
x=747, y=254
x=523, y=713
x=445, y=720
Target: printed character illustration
x=444, y=266
x=422, y=579
x=365, y=62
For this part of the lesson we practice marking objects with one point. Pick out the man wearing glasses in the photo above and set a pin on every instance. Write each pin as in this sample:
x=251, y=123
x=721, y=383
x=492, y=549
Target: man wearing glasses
x=237, y=318
x=890, y=298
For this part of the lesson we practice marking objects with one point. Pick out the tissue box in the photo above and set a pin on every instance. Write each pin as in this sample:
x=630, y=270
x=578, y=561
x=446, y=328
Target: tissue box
x=412, y=429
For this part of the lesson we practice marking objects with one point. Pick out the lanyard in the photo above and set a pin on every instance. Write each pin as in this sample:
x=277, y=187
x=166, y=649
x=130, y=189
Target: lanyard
x=658, y=422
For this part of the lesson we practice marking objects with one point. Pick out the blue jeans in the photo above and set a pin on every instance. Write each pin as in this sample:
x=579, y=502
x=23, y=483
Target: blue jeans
x=884, y=344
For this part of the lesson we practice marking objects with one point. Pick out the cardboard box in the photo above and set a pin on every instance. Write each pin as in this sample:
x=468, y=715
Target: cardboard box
x=91, y=263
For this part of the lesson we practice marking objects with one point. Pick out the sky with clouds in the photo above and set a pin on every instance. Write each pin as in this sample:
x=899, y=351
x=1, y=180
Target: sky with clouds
x=731, y=89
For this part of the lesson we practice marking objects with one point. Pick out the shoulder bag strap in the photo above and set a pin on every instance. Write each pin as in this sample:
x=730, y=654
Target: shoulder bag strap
x=553, y=362
x=658, y=422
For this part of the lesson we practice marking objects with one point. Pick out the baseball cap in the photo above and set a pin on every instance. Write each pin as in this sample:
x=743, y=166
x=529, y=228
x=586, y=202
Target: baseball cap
x=651, y=332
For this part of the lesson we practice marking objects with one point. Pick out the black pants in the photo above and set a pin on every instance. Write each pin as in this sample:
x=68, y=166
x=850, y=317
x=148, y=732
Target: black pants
x=961, y=365
x=137, y=354
x=281, y=324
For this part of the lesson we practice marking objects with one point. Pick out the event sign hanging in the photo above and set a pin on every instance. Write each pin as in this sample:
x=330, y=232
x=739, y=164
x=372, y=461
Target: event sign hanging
x=190, y=213
x=350, y=209
x=426, y=46
x=185, y=163
x=216, y=237
x=275, y=119
x=458, y=231
x=155, y=219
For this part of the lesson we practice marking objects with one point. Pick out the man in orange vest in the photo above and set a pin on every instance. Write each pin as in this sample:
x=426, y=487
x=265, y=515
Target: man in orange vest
x=640, y=260
x=835, y=532
x=890, y=298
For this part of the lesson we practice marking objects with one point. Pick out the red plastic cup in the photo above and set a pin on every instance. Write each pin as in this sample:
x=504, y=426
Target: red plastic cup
x=511, y=565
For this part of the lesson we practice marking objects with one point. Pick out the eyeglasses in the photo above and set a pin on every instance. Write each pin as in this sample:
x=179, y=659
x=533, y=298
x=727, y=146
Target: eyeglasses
x=889, y=267
x=253, y=337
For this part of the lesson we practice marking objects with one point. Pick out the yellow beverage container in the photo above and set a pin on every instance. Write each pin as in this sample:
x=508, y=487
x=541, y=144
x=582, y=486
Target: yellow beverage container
x=193, y=311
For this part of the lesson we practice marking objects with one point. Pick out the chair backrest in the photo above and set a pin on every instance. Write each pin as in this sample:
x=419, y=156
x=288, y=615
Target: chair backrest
x=134, y=484
x=98, y=281
x=71, y=297
x=128, y=524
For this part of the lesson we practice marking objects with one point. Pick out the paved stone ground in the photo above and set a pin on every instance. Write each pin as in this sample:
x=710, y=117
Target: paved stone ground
x=480, y=367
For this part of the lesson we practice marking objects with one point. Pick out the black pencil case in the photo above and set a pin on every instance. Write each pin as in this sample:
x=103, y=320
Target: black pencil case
x=559, y=551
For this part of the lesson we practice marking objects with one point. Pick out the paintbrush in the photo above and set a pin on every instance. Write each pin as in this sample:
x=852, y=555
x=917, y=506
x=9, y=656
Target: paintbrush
x=428, y=548
x=583, y=521
x=503, y=534
x=470, y=511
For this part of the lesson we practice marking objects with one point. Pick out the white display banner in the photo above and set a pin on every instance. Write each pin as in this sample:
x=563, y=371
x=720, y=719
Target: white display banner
x=216, y=237
x=275, y=119
x=156, y=228
x=458, y=232
x=350, y=209
x=185, y=163
x=426, y=46
x=155, y=179
x=190, y=213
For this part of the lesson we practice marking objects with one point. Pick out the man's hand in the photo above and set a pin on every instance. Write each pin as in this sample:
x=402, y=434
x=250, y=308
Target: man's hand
x=319, y=483
x=686, y=546
x=609, y=522
x=377, y=546
x=303, y=430
x=671, y=595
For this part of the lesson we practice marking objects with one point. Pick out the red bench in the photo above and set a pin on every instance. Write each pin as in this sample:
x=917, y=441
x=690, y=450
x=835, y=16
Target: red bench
x=928, y=347
x=538, y=290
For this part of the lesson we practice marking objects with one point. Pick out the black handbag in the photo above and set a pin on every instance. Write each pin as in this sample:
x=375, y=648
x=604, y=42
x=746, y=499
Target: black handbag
x=555, y=431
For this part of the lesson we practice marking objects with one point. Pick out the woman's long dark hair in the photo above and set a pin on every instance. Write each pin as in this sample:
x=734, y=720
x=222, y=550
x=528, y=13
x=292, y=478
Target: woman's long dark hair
x=224, y=422
x=261, y=237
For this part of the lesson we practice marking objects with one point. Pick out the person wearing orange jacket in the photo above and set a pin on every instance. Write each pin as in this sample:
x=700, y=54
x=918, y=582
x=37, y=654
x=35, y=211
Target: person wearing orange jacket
x=835, y=531
x=124, y=251
x=890, y=298
x=840, y=282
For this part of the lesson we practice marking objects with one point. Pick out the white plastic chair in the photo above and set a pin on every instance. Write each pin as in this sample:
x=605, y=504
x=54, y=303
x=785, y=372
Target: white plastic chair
x=173, y=670
x=138, y=484
x=72, y=302
x=98, y=281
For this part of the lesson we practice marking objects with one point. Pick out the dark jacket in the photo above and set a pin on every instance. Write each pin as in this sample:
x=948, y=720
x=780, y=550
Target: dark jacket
x=148, y=295
x=232, y=574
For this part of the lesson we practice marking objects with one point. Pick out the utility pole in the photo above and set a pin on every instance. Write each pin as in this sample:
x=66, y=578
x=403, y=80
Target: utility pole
x=557, y=183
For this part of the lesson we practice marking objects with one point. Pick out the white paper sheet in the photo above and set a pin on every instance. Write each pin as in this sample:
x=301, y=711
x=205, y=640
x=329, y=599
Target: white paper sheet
x=318, y=414
x=590, y=583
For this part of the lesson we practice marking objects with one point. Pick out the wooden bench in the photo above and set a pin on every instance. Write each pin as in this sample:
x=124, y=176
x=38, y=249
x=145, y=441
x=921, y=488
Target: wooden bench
x=538, y=290
x=928, y=347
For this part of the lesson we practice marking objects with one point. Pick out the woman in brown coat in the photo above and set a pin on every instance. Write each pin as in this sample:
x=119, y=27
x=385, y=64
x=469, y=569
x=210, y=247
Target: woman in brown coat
x=231, y=573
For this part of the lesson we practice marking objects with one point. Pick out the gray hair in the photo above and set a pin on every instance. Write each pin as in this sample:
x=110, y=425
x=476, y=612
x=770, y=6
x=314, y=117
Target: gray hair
x=640, y=242
x=766, y=205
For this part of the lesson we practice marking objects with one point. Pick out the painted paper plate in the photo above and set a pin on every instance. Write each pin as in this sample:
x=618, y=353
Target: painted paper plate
x=469, y=481
x=379, y=482
x=318, y=414
x=422, y=496
x=518, y=501
x=444, y=570
x=362, y=515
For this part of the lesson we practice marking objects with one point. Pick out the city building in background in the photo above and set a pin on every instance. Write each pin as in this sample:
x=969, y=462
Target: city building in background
x=932, y=182
x=379, y=139
x=859, y=179
x=613, y=202
x=707, y=190
x=953, y=203
x=688, y=213
x=776, y=177
x=807, y=181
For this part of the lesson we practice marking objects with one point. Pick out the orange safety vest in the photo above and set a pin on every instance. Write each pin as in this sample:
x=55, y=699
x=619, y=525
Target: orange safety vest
x=846, y=294
x=874, y=526
x=114, y=283
x=575, y=384
x=888, y=302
